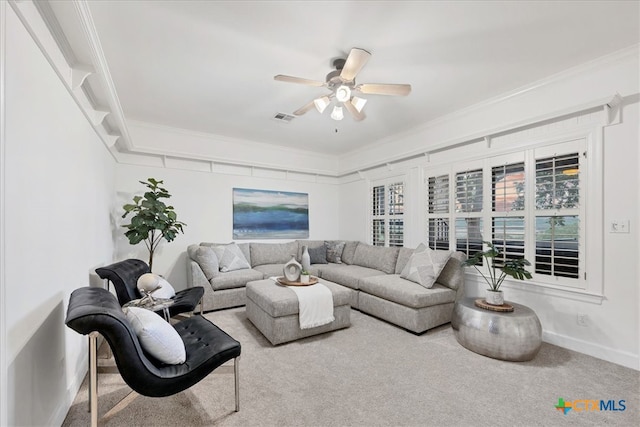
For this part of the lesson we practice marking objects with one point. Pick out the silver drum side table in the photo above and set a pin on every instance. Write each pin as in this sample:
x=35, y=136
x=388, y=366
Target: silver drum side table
x=514, y=336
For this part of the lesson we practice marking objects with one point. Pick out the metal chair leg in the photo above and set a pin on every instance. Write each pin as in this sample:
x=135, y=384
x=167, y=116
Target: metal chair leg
x=236, y=374
x=93, y=378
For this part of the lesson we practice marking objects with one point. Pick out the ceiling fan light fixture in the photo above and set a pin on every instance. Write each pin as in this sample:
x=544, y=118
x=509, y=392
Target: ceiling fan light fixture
x=358, y=103
x=337, y=113
x=321, y=103
x=343, y=93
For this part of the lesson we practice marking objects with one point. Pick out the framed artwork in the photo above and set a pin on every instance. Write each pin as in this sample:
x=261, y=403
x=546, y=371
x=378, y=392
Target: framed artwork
x=264, y=214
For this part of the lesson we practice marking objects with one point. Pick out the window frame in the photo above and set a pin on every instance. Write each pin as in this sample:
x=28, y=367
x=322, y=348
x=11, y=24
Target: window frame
x=386, y=217
x=589, y=285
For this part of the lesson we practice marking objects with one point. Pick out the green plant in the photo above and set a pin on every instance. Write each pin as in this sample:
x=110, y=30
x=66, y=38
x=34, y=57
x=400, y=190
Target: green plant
x=511, y=267
x=152, y=219
x=304, y=273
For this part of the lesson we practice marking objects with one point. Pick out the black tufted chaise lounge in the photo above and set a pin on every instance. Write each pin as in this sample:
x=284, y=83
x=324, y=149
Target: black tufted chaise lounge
x=94, y=311
x=124, y=276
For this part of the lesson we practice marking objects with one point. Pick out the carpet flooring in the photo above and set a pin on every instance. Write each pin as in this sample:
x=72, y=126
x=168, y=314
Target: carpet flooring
x=376, y=374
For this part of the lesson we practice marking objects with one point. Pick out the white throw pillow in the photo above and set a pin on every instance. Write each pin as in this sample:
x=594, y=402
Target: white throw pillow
x=157, y=337
x=166, y=291
x=230, y=257
x=425, y=265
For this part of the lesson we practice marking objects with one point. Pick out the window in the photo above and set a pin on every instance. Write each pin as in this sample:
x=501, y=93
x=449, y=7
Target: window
x=507, y=210
x=557, y=236
x=529, y=204
x=468, y=207
x=438, y=210
x=387, y=209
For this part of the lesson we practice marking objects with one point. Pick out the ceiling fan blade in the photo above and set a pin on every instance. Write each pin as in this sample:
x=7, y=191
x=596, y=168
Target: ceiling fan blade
x=384, y=89
x=291, y=79
x=357, y=116
x=302, y=110
x=355, y=61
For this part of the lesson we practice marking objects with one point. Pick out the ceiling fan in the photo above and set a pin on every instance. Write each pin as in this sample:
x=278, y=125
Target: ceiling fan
x=342, y=84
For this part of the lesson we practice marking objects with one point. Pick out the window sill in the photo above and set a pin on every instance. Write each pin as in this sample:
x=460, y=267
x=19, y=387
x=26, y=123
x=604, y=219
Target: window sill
x=542, y=288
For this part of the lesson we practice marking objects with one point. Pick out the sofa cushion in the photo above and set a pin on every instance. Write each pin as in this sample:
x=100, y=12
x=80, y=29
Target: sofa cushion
x=403, y=256
x=208, y=261
x=272, y=253
x=309, y=244
x=378, y=257
x=425, y=265
x=318, y=255
x=230, y=257
x=452, y=275
x=347, y=275
x=234, y=279
x=393, y=288
x=191, y=251
x=349, y=251
x=276, y=270
x=334, y=251
x=244, y=247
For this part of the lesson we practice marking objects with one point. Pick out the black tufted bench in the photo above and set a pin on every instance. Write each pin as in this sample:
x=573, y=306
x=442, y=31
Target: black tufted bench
x=95, y=311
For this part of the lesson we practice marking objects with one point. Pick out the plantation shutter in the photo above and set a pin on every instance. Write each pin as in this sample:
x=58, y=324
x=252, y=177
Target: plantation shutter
x=558, y=232
x=469, y=223
x=438, y=212
x=387, y=227
x=507, y=206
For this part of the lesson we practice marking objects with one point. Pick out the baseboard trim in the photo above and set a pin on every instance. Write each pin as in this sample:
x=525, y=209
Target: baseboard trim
x=609, y=354
x=58, y=417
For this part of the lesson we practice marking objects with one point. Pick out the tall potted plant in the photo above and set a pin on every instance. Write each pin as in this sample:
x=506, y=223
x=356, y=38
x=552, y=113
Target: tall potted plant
x=511, y=267
x=152, y=219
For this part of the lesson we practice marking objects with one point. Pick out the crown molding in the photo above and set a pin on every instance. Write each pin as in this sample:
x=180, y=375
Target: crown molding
x=102, y=68
x=34, y=23
x=252, y=146
x=486, y=135
x=622, y=56
x=222, y=138
x=49, y=17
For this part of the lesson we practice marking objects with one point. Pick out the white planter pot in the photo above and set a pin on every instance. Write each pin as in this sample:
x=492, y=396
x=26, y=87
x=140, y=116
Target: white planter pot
x=304, y=278
x=494, y=297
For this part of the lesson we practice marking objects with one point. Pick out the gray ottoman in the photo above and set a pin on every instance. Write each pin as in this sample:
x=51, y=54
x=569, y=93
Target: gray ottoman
x=273, y=309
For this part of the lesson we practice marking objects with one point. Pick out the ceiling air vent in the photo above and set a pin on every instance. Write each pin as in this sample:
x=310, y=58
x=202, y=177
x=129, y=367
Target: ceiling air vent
x=283, y=117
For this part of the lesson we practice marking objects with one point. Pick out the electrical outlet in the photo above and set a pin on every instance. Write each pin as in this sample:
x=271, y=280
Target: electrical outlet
x=619, y=226
x=583, y=319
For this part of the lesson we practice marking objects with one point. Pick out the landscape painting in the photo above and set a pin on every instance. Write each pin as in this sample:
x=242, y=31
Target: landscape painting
x=264, y=214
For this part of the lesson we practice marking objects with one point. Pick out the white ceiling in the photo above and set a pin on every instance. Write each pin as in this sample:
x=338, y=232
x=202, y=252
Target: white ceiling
x=209, y=66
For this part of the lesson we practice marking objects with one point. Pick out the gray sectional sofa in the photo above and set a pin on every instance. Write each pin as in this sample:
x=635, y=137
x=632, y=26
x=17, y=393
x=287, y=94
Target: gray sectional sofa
x=371, y=273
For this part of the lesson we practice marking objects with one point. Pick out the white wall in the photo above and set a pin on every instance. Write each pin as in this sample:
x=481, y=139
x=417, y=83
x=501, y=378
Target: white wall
x=203, y=200
x=59, y=192
x=613, y=331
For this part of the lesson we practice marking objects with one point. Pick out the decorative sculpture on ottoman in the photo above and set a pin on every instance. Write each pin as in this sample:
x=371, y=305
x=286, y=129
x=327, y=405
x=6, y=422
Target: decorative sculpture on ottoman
x=292, y=270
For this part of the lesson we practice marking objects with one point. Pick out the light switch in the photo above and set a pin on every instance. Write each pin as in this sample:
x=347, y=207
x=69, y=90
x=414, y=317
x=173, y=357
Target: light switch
x=619, y=226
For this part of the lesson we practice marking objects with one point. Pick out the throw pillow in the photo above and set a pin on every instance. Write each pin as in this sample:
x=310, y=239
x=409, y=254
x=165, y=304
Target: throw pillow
x=208, y=262
x=157, y=337
x=334, y=251
x=318, y=255
x=165, y=290
x=231, y=257
x=425, y=265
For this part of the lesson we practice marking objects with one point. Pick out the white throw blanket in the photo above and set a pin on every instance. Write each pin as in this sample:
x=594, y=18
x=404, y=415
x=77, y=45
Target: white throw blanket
x=315, y=305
